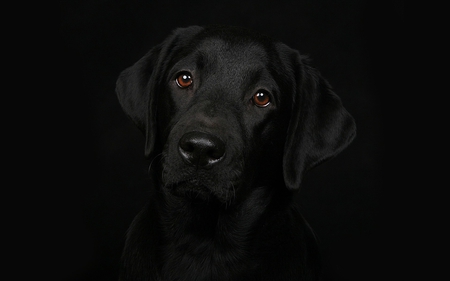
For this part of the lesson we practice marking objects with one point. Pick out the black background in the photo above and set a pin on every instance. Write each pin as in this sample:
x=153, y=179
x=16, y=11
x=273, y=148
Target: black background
x=350, y=42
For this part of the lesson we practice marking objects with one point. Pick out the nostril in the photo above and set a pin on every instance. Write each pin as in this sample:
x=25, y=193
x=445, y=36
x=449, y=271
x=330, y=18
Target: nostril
x=187, y=146
x=215, y=153
x=201, y=149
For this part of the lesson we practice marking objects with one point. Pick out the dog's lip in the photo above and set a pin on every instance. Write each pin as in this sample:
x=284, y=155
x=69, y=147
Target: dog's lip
x=193, y=184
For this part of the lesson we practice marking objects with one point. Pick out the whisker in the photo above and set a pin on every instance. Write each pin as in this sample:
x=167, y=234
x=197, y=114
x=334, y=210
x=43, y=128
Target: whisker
x=154, y=158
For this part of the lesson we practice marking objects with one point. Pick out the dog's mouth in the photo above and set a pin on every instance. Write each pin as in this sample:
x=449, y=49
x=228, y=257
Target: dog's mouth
x=191, y=188
x=195, y=189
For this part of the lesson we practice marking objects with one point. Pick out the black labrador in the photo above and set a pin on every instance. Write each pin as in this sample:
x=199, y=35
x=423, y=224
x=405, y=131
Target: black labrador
x=232, y=122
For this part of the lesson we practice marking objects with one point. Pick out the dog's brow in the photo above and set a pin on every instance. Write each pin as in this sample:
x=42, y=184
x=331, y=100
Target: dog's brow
x=252, y=79
x=200, y=60
x=203, y=60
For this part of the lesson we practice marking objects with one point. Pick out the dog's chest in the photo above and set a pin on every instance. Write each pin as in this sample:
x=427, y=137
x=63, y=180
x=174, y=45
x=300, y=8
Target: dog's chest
x=219, y=256
x=207, y=261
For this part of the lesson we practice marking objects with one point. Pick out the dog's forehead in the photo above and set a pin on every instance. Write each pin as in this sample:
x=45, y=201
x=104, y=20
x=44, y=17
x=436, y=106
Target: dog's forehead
x=224, y=53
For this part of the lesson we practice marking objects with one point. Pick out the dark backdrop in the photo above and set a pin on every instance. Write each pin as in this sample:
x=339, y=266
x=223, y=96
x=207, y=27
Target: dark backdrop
x=350, y=42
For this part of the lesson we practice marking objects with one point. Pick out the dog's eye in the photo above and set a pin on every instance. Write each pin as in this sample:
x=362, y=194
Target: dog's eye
x=261, y=99
x=184, y=80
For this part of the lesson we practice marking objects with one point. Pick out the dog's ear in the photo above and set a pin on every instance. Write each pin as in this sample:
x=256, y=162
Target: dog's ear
x=320, y=127
x=133, y=88
x=137, y=86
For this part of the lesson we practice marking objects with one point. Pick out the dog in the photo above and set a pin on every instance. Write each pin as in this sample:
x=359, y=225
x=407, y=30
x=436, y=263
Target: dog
x=232, y=121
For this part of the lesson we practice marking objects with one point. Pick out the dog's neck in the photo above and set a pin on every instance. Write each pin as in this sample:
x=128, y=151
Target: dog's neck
x=208, y=220
x=200, y=232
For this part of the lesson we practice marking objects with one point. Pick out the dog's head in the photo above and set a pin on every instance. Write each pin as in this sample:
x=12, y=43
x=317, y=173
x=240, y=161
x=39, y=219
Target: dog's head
x=229, y=109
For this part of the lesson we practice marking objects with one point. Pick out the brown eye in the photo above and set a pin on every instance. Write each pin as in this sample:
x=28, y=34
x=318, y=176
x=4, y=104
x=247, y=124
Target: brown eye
x=184, y=80
x=261, y=99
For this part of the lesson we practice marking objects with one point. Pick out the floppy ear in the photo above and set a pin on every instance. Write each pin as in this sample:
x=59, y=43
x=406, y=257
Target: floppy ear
x=320, y=127
x=134, y=89
x=137, y=86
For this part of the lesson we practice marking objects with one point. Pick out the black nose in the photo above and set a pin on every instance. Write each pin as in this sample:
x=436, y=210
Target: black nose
x=201, y=149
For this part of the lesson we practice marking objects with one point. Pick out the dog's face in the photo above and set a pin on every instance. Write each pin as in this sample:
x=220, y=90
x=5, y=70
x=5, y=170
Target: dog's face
x=229, y=111
x=220, y=119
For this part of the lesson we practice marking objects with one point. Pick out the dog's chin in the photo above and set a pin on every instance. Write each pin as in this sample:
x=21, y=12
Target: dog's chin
x=193, y=190
x=190, y=190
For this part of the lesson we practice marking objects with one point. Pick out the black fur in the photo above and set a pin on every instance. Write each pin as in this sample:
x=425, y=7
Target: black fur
x=225, y=170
